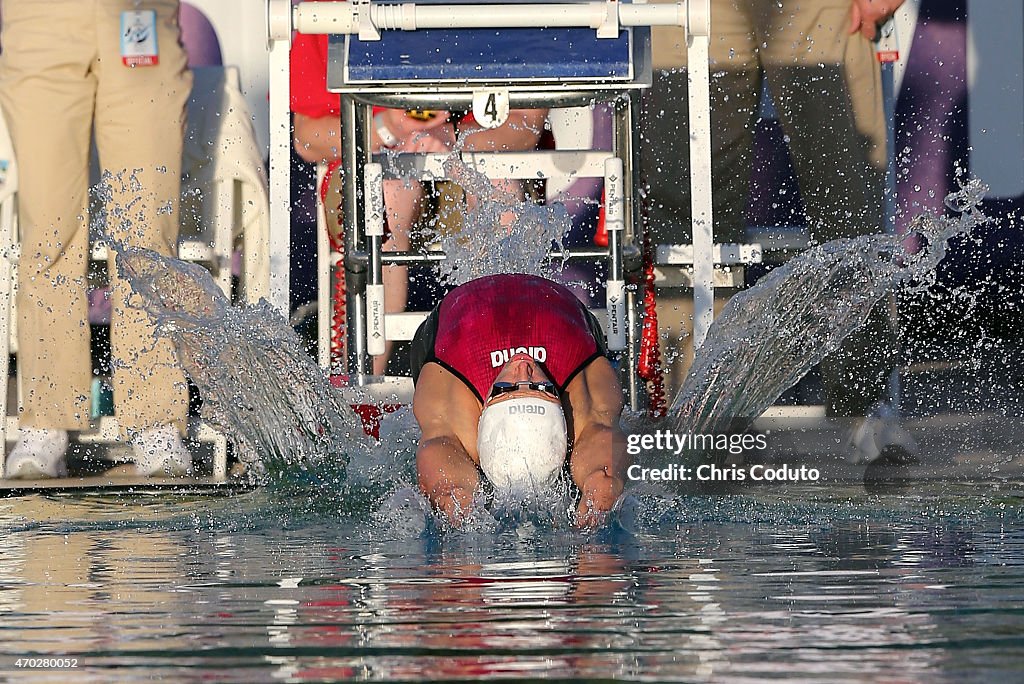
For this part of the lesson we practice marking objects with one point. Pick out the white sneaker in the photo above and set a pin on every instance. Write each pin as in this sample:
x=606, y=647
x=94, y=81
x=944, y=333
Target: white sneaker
x=39, y=454
x=159, y=452
x=877, y=433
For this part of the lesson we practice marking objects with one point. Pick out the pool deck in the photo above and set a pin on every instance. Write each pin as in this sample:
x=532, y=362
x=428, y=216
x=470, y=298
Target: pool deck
x=123, y=480
x=96, y=468
x=950, y=446
x=967, y=418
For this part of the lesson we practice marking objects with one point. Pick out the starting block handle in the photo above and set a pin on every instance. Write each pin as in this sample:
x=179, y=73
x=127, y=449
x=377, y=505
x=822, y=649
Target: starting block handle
x=373, y=182
x=373, y=189
x=375, y=339
x=367, y=19
x=615, y=199
x=616, y=328
x=615, y=223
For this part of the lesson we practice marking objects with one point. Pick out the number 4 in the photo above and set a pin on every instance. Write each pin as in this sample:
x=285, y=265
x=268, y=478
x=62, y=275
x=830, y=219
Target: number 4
x=490, y=107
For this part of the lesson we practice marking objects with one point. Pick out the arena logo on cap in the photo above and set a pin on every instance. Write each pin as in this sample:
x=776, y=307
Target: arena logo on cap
x=536, y=409
x=499, y=357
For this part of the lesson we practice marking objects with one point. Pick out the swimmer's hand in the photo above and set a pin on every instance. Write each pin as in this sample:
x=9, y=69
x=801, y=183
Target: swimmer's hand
x=592, y=519
x=599, y=492
x=454, y=505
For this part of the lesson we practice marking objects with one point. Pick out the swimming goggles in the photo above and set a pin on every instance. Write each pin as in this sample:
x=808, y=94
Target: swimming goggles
x=499, y=388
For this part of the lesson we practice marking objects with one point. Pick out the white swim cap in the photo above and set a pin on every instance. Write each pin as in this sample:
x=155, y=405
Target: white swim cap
x=522, y=444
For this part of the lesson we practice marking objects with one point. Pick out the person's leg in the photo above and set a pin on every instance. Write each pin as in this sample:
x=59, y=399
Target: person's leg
x=675, y=323
x=826, y=86
x=454, y=204
x=735, y=99
x=830, y=90
x=139, y=134
x=403, y=200
x=47, y=97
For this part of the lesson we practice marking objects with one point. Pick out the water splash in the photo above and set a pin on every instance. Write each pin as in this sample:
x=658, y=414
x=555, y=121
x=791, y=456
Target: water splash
x=259, y=388
x=258, y=385
x=770, y=335
x=500, y=234
x=277, y=407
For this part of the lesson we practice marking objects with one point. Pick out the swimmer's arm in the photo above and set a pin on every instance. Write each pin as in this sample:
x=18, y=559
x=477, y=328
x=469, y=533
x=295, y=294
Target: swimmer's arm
x=521, y=131
x=447, y=475
x=447, y=413
x=598, y=461
x=598, y=468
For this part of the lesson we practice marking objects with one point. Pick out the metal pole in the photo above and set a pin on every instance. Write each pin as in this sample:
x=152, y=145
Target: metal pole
x=373, y=206
x=6, y=301
x=354, y=120
x=279, y=35
x=367, y=18
x=697, y=41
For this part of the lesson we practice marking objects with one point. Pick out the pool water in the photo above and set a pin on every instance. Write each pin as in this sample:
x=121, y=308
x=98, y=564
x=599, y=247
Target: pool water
x=821, y=583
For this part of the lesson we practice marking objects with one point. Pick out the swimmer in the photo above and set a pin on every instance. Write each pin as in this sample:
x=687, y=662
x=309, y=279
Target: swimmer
x=513, y=384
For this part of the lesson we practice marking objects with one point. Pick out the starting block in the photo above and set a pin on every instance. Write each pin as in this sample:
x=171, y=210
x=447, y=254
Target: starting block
x=490, y=58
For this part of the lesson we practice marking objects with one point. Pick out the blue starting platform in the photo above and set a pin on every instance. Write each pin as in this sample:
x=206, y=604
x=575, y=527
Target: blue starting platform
x=527, y=56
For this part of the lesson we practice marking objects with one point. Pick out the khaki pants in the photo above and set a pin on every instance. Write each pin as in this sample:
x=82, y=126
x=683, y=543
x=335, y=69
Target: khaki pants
x=61, y=80
x=826, y=87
